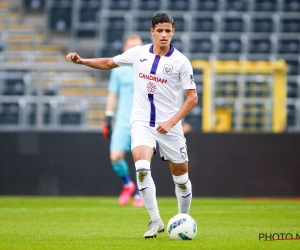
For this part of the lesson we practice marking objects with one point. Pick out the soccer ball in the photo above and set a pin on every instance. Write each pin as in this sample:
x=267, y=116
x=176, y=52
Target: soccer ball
x=182, y=227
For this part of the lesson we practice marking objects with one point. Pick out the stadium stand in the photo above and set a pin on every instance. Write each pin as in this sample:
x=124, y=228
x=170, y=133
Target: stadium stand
x=206, y=30
x=50, y=97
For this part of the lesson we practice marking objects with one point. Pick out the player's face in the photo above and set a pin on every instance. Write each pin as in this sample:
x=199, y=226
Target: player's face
x=162, y=34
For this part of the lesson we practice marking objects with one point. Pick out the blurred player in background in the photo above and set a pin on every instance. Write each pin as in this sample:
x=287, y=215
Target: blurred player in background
x=160, y=72
x=120, y=88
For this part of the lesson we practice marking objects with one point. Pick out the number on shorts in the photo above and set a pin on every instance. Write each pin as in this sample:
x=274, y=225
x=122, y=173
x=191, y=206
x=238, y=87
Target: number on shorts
x=183, y=152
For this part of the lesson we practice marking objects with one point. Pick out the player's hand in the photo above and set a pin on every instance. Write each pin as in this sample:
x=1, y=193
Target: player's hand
x=164, y=127
x=74, y=58
x=107, y=127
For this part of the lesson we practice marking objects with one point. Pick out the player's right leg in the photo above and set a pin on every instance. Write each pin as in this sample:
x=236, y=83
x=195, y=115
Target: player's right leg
x=143, y=146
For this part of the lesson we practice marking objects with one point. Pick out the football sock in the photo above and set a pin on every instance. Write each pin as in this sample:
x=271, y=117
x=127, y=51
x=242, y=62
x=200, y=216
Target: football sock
x=183, y=191
x=147, y=188
x=121, y=169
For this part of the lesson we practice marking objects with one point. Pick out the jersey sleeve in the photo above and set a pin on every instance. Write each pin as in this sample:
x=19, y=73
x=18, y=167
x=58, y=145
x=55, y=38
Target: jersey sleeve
x=113, y=84
x=125, y=59
x=186, y=75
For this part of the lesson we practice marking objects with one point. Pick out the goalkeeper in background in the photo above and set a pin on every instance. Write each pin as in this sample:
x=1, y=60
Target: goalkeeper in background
x=120, y=88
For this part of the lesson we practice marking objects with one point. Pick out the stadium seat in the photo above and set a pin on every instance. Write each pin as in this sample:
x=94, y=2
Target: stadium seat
x=149, y=5
x=293, y=90
x=120, y=5
x=60, y=15
x=286, y=46
x=70, y=118
x=179, y=24
x=46, y=114
x=293, y=66
x=142, y=23
x=34, y=4
x=228, y=45
x=201, y=46
x=236, y=5
x=259, y=46
x=88, y=16
x=203, y=24
x=265, y=5
x=14, y=87
x=180, y=5
x=92, y=4
x=208, y=5
x=291, y=6
x=291, y=115
x=9, y=113
x=232, y=24
x=261, y=24
x=177, y=43
x=60, y=19
x=290, y=25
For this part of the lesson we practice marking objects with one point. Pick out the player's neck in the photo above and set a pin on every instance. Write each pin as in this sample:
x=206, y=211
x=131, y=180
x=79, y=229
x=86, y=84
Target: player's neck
x=161, y=51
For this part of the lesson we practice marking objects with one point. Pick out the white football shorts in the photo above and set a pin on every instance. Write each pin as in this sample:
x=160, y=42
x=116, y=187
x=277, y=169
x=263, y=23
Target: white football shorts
x=172, y=146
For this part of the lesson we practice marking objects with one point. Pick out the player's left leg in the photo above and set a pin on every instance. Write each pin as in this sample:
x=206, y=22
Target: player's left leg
x=172, y=147
x=183, y=186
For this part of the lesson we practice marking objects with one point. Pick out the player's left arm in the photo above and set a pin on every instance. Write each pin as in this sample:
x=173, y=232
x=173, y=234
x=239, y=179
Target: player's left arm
x=190, y=102
x=189, y=86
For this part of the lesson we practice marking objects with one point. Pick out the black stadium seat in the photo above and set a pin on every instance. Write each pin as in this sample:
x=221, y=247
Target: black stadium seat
x=259, y=46
x=70, y=118
x=232, y=24
x=181, y=5
x=9, y=113
x=291, y=46
x=290, y=25
x=14, y=87
x=228, y=45
x=35, y=4
x=236, y=5
x=201, y=46
x=208, y=5
x=291, y=5
x=60, y=19
x=265, y=5
x=264, y=25
x=205, y=24
x=149, y=5
x=120, y=5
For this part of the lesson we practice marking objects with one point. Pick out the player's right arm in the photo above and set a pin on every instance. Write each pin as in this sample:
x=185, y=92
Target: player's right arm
x=96, y=63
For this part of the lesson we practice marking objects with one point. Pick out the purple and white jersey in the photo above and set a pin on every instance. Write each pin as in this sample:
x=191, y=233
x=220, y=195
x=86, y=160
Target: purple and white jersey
x=158, y=81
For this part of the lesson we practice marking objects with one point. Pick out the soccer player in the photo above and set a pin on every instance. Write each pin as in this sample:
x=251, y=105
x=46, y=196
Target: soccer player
x=120, y=88
x=160, y=72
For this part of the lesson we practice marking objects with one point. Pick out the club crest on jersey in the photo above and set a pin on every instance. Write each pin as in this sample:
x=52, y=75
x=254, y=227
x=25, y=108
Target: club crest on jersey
x=168, y=69
x=151, y=87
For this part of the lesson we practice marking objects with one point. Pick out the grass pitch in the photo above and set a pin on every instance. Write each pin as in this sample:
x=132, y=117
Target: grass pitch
x=99, y=223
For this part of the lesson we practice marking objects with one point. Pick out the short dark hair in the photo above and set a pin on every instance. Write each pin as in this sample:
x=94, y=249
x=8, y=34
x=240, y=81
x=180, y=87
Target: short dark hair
x=162, y=18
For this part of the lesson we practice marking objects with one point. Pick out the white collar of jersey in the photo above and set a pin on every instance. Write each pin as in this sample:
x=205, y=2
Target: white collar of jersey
x=168, y=54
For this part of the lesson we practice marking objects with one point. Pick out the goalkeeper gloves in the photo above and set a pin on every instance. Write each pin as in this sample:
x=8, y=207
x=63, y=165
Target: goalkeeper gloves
x=107, y=127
